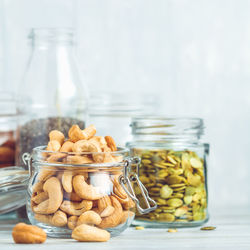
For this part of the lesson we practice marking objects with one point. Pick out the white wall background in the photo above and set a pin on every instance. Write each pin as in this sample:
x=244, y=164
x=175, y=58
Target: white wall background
x=193, y=54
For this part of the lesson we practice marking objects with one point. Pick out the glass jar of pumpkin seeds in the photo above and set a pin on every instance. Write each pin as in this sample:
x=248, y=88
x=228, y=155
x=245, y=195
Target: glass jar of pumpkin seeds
x=173, y=169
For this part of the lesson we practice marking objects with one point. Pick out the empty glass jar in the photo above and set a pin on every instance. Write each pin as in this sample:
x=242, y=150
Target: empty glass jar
x=173, y=169
x=112, y=112
x=65, y=189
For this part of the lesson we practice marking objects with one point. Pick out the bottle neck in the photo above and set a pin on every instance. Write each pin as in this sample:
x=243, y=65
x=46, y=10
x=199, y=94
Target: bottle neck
x=51, y=38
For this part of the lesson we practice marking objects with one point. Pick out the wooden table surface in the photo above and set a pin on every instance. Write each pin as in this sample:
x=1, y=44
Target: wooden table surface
x=232, y=232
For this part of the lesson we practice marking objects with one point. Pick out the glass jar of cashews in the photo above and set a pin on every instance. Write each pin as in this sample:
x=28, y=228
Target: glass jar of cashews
x=173, y=169
x=86, y=182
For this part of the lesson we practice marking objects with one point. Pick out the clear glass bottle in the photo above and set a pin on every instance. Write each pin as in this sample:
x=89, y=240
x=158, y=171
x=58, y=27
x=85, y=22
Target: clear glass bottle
x=112, y=112
x=173, y=169
x=51, y=95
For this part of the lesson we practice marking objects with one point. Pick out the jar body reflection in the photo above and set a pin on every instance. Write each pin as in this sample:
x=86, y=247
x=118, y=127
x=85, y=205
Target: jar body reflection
x=174, y=170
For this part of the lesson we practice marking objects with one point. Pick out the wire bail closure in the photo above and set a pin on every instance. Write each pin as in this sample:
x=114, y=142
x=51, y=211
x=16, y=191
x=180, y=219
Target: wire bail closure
x=26, y=157
x=128, y=179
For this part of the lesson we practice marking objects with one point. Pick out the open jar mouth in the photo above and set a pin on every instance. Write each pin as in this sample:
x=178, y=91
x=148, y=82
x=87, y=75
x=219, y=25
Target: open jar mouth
x=41, y=156
x=174, y=128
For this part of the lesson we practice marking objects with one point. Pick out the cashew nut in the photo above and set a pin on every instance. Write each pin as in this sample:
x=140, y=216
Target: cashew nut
x=107, y=211
x=54, y=189
x=56, y=135
x=42, y=207
x=67, y=146
x=90, y=218
x=76, y=208
x=38, y=187
x=122, y=201
x=72, y=220
x=81, y=146
x=40, y=197
x=108, y=158
x=45, y=174
x=89, y=233
x=84, y=190
x=114, y=219
x=100, y=141
x=103, y=203
x=118, y=189
x=67, y=181
x=77, y=159
x=56, y=157
x=89, y=132
x=111, y=143
x=128, y=204
x=43, y=218
x=75, y=134
x=59, y=219
x=54, y=145
x=87, y=146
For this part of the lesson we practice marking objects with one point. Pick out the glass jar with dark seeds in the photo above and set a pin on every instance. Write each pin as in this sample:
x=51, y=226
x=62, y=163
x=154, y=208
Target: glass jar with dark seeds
x=52, y=94
x=173, y=169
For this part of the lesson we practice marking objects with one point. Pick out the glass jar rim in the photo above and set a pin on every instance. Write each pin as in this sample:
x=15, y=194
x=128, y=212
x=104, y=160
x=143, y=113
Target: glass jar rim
x=39, y=155
x=46, y=35
x=168, y=126
x=41, y=149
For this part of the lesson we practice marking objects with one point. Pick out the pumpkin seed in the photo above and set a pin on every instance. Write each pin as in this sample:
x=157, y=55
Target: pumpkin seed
x=173, y=179
x=175, y=202
x=171, y=160
x=195, y=163
x=188, y=199
x=208, y=228
x=166, y=191
x=190, y=191
x=177, y=195
x=166, y=217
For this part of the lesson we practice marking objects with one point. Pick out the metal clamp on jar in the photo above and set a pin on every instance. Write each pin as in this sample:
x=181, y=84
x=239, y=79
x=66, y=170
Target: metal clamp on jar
x=62, y=192
x=173, y=169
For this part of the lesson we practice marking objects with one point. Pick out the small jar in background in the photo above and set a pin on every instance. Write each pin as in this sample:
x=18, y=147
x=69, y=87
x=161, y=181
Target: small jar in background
x=173, y=169
x=112, y=112
x=8, y=124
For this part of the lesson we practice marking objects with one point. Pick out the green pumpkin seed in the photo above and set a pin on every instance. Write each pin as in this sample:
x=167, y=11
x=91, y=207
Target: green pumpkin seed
x=166, y=191
x=166, y=217
x=175, y=202
x=208, y=228
x=195, y=163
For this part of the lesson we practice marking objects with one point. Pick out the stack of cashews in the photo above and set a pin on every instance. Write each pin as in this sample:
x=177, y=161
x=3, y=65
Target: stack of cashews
x=65, y=197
